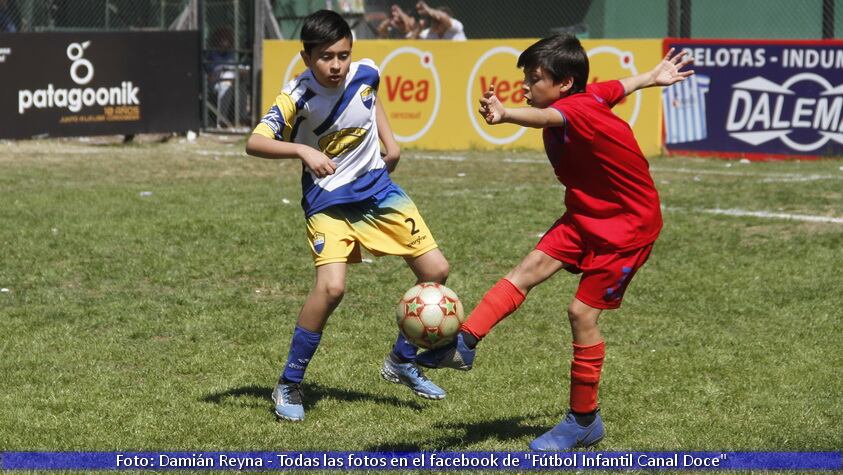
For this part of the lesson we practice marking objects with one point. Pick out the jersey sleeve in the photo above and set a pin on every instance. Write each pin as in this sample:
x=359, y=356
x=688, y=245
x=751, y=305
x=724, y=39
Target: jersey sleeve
x=610, y=91
x=278, y=122
x=375, y=76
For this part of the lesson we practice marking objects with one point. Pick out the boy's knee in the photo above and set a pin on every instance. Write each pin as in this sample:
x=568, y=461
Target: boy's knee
x=582, y=316
x=334, y=290
x=573, y=316
x=577, y=314
x=432, y=270
x=441, y=271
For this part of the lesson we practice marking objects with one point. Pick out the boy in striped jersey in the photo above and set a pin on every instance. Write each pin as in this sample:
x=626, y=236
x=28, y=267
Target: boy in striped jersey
x=331, y=120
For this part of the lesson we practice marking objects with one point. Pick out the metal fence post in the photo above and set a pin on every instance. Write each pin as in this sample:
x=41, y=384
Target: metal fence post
x=685, y=18
x=200, y=7
x=673, y=18
x=257, y=59
x=238, y=55
x=828, y=19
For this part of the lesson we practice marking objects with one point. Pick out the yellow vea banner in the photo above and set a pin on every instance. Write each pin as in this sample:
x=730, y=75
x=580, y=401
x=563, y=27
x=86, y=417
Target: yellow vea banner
x=430, y=89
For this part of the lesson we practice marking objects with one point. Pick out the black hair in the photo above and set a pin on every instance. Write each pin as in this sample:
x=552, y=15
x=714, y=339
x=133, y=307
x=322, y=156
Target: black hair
x=561, y=56
x=324, y=27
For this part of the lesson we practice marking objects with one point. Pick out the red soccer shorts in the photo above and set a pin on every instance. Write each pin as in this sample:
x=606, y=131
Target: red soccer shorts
x=605, y=274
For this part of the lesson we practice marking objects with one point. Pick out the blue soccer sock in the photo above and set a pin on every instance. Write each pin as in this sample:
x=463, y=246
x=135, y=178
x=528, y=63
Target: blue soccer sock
x=403, y=351
x=302, y=348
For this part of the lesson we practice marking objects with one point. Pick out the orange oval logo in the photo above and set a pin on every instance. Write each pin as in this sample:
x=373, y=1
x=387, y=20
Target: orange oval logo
x=411, y=92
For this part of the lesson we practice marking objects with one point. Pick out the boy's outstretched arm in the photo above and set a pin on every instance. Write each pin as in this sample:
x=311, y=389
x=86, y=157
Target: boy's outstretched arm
x=495, y=113
x=316, y=161
x=392, y=152
x=666, y=73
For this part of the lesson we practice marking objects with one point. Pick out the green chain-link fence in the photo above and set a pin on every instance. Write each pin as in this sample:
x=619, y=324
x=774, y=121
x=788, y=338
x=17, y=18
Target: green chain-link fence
x=228, y=41
x=94, y=15
x=771, y=19
x=792, y=19
x=232, y=30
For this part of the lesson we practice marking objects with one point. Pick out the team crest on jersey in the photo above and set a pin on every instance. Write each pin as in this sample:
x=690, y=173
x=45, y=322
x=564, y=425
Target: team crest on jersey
x=342, y=141
x=318, y=242
x=367, y=95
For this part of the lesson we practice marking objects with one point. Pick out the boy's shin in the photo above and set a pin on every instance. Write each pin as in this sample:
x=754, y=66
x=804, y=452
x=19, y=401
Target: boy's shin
x=585, y=376
x=302, y=348
x=499, y=302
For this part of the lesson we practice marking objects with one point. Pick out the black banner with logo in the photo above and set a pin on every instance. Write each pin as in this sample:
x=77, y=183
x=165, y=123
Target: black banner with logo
x=77, y=84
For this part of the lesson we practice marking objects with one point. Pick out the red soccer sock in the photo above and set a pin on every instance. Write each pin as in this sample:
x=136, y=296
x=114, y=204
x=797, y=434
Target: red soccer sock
x=585, y=376
x=501, y=300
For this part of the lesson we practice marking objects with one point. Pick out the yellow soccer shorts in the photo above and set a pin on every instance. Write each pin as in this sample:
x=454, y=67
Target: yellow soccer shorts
x=386, y=224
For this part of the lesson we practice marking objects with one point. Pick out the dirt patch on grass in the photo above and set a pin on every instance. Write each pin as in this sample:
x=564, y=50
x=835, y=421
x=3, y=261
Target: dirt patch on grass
x=108, y=160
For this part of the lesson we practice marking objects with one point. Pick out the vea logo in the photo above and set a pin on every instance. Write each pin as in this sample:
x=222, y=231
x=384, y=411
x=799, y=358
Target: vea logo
x=495, y=66
x=804, y=112
x=411, y=90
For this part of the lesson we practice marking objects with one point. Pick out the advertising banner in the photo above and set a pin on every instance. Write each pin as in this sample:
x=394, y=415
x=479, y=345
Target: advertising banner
x=759, y=99
x=430, y=89
x=77, y=84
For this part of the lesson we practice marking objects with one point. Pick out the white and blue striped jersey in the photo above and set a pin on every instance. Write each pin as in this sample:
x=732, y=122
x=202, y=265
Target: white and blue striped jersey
x=684, y=110
x=341, y=123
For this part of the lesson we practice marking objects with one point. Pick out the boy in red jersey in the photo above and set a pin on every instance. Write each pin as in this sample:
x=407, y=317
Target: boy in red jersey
x=606, y=234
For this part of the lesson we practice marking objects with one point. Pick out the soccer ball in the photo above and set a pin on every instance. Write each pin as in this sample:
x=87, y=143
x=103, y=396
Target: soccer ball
x=429, y=315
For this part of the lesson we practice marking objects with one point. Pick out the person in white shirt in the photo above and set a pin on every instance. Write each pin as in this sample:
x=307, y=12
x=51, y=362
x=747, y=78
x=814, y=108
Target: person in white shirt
x=435, y=24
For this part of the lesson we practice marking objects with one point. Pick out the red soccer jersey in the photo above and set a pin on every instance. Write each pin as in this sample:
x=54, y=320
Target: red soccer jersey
x=609, y=192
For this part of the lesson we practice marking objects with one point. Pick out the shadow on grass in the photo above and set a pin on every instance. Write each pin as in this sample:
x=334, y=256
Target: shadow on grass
x=461, y=434
x=260, y=396
x=130, y=140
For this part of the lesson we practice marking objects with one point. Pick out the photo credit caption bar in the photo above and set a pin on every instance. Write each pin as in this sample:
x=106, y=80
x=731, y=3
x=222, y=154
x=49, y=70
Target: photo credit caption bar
x=443, y=461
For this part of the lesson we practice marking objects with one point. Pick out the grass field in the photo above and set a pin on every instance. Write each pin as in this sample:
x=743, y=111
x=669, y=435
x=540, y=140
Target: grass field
x=150, y=293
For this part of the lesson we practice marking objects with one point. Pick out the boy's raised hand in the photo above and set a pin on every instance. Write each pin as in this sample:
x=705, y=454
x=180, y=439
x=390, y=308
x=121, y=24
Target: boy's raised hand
x=422, y=8
x=402, y=21
x=668, y=71
x=491, y=108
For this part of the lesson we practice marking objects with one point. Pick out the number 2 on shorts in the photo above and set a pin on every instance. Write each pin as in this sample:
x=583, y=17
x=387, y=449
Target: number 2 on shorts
x=413, y=229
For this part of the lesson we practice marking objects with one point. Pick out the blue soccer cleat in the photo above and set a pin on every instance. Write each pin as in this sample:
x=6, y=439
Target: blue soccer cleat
x=568, y=435
x=410, y=375
x=455, y=355
x=287, y=399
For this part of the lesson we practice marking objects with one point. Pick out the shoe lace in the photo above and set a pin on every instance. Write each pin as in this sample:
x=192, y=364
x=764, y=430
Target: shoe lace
x=415, y=370
x=291, y=393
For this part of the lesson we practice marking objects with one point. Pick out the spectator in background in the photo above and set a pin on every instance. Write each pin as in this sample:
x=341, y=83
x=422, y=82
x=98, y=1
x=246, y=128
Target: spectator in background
x=224, y=73
x=439, y=23
x=7, y=21
x=399, y=25
x=434, y=24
